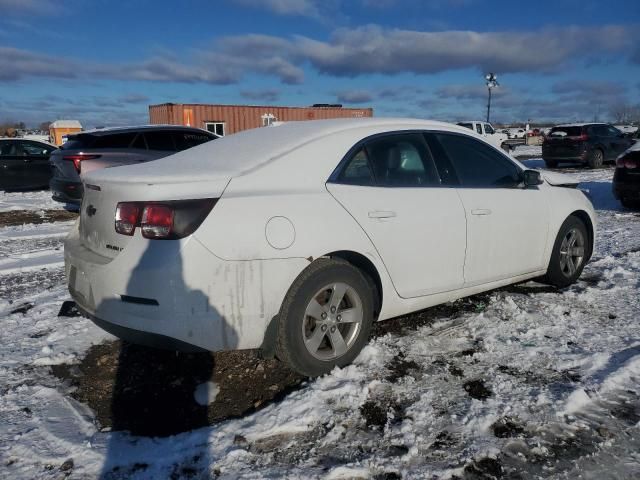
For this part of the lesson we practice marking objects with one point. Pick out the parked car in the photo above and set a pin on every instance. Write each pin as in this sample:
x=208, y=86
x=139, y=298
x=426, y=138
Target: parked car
x=591, y=144
x=296, y=239
x=113, y=147
x=517, y=132
x=626, y=178
x=486, y=130
x=24, y=164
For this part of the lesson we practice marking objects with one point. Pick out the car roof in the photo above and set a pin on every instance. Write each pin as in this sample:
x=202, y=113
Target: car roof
x=6, y=139
x=579, y=124
x=246, y=151
x=139, y=128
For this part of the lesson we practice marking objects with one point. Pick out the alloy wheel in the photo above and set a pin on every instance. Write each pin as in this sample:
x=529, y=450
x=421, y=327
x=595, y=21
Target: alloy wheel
x=332, y=321
x=571, y=252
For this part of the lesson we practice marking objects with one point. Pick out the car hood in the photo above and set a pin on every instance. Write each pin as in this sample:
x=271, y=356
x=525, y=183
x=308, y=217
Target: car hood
x=560, y=179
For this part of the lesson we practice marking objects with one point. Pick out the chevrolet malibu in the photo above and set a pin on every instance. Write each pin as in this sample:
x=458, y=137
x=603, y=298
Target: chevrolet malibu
x=295, y=239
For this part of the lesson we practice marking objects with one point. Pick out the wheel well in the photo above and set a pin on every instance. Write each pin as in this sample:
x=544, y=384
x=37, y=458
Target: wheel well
x=364, y=264
x=584, y=218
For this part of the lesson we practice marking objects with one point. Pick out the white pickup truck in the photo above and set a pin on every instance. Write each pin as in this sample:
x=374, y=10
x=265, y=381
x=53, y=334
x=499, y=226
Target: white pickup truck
x=486, y=130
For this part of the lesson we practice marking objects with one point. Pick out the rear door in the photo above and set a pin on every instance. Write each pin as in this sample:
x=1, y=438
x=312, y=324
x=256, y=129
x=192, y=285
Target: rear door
x=507, y=225
x=391, y=187
x=10, y=165
x=38, y=171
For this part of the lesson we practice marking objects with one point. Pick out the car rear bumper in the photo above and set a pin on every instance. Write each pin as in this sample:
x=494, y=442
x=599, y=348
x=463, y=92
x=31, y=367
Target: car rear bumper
x=571, y=159
x=66, y=191
x=626, y=186
x=177, y=294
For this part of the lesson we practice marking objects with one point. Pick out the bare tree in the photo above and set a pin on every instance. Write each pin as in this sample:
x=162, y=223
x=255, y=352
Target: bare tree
x=625, y=113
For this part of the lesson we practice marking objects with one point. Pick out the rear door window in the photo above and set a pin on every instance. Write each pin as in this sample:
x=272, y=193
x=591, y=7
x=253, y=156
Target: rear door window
x=36, y=150
x=357, y=171
x=8, y=149
x=479, y=128
x=162, y=140
x=476, y=164
x=402, y=160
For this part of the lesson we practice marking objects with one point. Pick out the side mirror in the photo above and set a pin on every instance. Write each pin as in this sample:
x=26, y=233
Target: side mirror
x=532, y=178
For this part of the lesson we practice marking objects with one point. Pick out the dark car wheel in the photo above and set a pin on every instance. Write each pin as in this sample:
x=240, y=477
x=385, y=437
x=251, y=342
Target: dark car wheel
x=326, y=317
x=595, y=158
x=551, y=163
x=570, y=253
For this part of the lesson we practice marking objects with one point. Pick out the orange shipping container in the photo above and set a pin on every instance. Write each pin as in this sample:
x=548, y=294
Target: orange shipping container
x=228, y=119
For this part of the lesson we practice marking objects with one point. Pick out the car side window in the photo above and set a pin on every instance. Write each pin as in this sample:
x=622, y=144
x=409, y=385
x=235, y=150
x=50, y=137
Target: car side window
x=357, y=171
x=488, y=129
x=479, y=128
x=476, y=164
x=402, y=160
x=35, y=150
x=7, y=149
x=613, y=132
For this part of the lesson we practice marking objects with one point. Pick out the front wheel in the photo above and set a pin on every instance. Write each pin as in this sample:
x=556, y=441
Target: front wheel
x=326, y=317
x=570, y=253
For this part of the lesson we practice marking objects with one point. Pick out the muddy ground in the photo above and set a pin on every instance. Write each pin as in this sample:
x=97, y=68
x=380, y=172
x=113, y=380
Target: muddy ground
x=20, y=217
x=150, y=392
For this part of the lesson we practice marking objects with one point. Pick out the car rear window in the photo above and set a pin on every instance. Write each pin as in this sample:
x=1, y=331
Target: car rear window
x=160, y=141
x=185, y=140
x=117, y=140
x=568, y=131
x=78, y=142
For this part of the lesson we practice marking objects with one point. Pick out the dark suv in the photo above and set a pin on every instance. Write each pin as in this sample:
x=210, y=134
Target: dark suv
x=587, y=143
x=113, y=147
x=626, y=179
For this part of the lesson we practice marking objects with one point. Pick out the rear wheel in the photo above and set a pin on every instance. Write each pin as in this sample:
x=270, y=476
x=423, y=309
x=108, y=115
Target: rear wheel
x=326, y=318
x=551, y=163
x=595, y=158
x=569, y=255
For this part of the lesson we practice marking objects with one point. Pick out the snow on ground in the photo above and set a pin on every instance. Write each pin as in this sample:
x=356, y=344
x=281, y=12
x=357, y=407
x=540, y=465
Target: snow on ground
x=523, y=381
x=527, y=151
x=29, y=200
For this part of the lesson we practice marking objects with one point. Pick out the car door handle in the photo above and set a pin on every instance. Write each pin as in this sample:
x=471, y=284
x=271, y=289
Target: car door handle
x=381, y=214
x=481, y=211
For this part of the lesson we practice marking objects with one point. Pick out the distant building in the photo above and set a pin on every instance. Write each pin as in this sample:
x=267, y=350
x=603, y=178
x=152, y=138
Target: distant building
x=228, y=119
x=60, y=129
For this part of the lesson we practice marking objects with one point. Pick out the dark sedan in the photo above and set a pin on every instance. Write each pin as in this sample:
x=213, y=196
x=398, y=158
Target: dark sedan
x=590, y=144
x=626, y=179
x=24, y=164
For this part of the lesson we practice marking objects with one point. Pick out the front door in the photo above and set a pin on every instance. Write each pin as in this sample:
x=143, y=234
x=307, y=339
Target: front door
x=507, y=225
x=392, y=188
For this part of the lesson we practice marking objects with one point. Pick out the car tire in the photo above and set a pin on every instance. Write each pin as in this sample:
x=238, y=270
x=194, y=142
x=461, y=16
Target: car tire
x=595, y=158
x=312, y=338
x=569, y=255
x=551, y=163
x=506, y=147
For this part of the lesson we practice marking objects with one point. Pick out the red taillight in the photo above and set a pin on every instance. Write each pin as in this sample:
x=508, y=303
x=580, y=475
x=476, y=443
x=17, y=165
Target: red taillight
x=77, y=159
x=627, y=163
x=127, y=217
x=162, y=220
x=157, y=221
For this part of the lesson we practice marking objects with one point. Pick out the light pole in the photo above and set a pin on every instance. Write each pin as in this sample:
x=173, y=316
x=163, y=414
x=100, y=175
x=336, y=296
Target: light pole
x=492, y=81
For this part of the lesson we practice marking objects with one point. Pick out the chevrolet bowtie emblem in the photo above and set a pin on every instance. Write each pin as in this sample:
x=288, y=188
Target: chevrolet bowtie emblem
x=90, y=210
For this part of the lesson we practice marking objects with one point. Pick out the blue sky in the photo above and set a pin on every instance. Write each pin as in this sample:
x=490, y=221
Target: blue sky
x=104, y=62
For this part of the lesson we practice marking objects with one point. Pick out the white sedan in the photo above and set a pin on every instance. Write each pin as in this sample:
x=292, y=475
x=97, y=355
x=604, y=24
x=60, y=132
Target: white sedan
x=296, y=239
